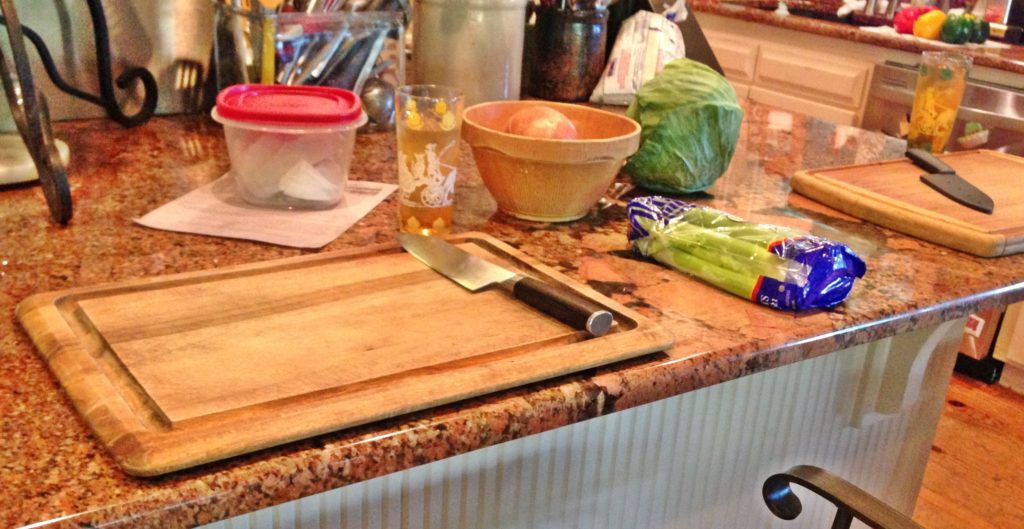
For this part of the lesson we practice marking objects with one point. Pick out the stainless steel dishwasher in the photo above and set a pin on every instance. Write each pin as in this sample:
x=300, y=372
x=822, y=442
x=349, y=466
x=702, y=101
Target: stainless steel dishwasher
x=998, y=108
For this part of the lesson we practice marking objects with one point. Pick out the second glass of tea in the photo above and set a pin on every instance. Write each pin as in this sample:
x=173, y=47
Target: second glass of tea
x=941, y=80
x=427, y=126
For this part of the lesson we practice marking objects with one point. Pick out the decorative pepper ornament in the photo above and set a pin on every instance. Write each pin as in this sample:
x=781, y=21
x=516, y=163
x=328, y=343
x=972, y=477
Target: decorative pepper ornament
x=957, y=29
x=929, y=25
x=980, y=32
x=903, y=22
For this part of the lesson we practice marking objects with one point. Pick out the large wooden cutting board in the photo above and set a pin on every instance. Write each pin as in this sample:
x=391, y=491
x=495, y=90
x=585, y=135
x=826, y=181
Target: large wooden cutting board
x=175, y=371
x=891, y=194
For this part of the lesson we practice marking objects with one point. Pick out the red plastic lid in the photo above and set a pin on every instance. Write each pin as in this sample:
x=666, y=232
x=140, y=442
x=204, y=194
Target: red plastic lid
x=289, y=105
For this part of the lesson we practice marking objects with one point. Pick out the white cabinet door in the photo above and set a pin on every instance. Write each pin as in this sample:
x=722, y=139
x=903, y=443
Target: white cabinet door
x=815, y=76
x=801, y=79
x=737, y=56
x=1009, y=345
x=841, y=116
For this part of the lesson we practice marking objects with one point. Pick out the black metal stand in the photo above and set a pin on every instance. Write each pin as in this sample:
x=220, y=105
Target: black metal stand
x=32, y=117
x=107, y=98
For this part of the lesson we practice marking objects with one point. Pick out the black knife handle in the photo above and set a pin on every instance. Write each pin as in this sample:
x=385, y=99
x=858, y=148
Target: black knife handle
x=566, y=307
x=927, y=161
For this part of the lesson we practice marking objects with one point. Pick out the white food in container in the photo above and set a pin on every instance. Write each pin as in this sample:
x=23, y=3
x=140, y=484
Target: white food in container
x=305, y=182
x=288, y=165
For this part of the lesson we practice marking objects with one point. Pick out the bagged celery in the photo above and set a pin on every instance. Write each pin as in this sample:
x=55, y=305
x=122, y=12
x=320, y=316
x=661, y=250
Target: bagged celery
x=775, y=266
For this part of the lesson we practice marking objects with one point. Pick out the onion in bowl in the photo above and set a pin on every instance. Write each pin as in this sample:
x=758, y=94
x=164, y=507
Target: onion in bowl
x=541, y=122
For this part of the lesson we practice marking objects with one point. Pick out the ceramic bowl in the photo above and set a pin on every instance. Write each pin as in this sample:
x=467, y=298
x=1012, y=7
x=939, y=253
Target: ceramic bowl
x=548, y=180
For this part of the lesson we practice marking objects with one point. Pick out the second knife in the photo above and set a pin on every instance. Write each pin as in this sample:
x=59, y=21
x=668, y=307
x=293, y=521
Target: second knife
x=943, y=178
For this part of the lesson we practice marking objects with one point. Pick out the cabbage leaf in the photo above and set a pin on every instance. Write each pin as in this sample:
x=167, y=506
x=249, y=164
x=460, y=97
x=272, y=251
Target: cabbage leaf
x=690, y=124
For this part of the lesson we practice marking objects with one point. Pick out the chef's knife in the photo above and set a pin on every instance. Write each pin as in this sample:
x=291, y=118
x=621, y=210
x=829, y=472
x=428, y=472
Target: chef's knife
x=475, y=273
x=944, y=179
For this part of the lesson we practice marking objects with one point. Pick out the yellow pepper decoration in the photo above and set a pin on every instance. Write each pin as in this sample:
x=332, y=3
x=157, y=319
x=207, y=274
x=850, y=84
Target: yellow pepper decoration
x=929, y=25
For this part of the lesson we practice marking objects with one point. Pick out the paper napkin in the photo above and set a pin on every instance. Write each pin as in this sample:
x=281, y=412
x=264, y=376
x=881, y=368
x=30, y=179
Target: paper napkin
x=216, y=209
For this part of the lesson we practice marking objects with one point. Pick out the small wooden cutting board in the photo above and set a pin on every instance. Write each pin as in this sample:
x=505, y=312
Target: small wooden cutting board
x=180, y=370
x=891, y=194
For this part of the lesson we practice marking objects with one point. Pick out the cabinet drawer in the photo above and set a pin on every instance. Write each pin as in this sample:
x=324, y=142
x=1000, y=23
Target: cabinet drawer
x=736, y=55
x=820, y=77
x=841, y=116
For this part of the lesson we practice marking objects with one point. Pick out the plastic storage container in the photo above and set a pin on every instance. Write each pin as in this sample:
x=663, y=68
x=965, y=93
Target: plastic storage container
x=290, y=146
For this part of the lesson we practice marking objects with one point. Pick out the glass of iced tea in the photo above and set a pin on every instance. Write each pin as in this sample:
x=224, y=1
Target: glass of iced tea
x=940, y=87
x=427, y=125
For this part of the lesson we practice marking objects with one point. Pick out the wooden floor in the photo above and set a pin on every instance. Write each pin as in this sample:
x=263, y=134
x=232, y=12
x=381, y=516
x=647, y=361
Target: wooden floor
x=975, y=476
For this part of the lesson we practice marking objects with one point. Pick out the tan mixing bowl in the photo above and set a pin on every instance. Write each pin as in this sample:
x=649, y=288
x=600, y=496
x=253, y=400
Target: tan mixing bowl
x=548, y=180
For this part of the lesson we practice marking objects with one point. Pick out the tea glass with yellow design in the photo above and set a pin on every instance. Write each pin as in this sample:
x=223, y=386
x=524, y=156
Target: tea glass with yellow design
x=427, y=127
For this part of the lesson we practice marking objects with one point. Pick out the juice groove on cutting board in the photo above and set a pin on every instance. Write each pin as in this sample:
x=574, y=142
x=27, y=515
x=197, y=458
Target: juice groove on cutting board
x=173, y=371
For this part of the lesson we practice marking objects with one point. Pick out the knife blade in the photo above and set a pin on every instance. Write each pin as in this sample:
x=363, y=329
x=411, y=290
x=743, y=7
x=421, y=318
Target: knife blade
x=474, y=274
x=928, y=161
x=943, y=178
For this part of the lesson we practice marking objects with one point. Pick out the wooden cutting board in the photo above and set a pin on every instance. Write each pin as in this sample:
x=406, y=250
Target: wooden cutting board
x=175, y=371
x=891, y=194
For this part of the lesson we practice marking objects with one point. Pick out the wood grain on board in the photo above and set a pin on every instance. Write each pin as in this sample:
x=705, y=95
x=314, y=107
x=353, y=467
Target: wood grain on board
x=175, y=371
x=891, y=194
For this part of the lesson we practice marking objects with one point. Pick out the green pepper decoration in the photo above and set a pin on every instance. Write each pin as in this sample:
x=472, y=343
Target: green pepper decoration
x=980, y=32
x=957, y=30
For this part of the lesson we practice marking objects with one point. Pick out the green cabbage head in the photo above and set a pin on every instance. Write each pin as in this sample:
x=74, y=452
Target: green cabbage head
x=690, y=123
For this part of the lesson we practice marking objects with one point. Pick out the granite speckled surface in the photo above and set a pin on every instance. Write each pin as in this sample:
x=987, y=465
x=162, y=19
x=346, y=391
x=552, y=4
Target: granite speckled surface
x=52, y=469
x=1009, y=59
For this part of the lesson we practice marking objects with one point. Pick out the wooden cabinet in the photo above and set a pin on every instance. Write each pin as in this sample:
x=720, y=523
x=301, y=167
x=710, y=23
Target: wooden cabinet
x=812, y=75
x=1009, y=348
x=822, y=84
x=1009, y=345
x=794, y=103
x=738, y=58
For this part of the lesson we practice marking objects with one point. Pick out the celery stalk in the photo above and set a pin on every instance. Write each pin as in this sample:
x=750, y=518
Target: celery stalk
x=684, y=237
x=710, y=218
x=774, y=268
x=739, y=284
x=710, y=254
x=738, y=229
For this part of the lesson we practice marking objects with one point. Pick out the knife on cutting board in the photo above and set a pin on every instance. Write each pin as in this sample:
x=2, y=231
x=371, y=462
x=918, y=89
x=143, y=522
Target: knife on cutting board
x=475, y=274
x=943, y=178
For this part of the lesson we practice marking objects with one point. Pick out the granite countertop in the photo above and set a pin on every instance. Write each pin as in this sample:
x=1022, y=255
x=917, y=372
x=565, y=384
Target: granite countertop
x=1010, y=59
x=51, y=468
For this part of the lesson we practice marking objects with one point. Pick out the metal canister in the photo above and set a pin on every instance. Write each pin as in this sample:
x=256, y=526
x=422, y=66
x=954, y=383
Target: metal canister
x=474, y=45
x=570, y=53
